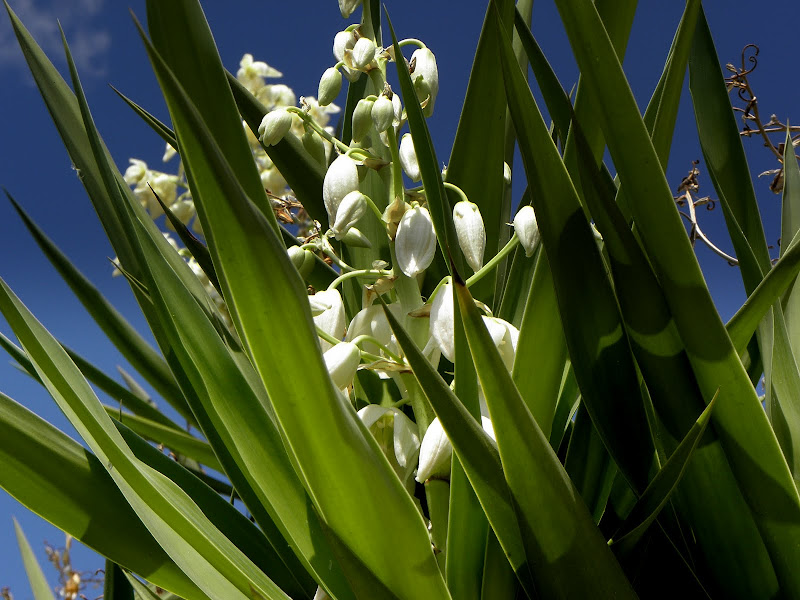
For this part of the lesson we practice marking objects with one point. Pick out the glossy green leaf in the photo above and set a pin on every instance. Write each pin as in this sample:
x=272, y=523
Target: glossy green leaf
x=39, y=586
x=568, y=556
x=127, y=340
x=739, y=420
x=657, y=494
x=61, y=481
x=595, y=334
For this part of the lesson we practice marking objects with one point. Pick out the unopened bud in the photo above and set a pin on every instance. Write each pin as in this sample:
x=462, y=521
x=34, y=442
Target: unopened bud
x=302, y=260
x=408, y=157
x=330, y=84
x=362, y=119
x=314, y=145
x=363, y=53
x=274, y=126
x=526, y=228
x=382, y=113
x=355, y=239
x=470, y=231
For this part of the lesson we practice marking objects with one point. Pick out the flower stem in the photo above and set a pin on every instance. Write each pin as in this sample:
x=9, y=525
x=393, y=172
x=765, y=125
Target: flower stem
x=512, y=243
x=370, y=273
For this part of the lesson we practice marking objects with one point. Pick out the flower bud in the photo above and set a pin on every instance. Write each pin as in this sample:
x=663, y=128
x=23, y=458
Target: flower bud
x=274, y=126
x=470, y=231
x=342, y=363
x=355, y=239
x=330, y=84
x=425, y=77
x=363, y=53
x=408, y=157
x=442, y=321
x=382, y=113
x=340, y=180
x=415, y=242
x=314, y=145
x=526, y=228
x=435, y=453
x=332, y=319
x=346, y=7
x=362, y=119
x=506, y=173
x=302, y=260
x=351, y=209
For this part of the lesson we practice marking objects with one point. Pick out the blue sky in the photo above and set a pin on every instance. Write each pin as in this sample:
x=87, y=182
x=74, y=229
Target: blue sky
x=36, y=170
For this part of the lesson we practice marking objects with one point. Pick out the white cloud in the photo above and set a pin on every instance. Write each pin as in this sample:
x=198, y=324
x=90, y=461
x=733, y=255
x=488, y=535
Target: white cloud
x=79, y=18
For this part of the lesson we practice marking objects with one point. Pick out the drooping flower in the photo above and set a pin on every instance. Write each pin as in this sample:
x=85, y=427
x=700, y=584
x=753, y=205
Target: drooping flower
x=415, y=242
x=342, y=363
x=442, y=323
x=436, y=450
x=425, y=77
x=330, y=316
x=351, y=209
x=346, y=7
x=470, y=231
x=362, y=119
x=527, y=229
x=363, y=53
x=397, y=437
x=408, y=157
x=382, y=113
x=505, y=337
x=343, y=42
x=340, y=180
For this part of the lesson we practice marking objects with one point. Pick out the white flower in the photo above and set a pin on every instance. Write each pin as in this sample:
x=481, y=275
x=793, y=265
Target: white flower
x=340, y=180
x=169, y=152
x=470, y=231
x=331, y=319
x=527, y=229
x=274, y=126
x=408, y=157
x=351, y=209
x=425, y=77
x=505, y=337
x=363, y=53
x=382, y=113
x=442, y=321
x=346, y=7
x=252, y=72
x=396, y=435
x=436, y=450
x=415, y=243
x=136, y=172
x=330, y=84
x=342, y=363
x=372, y=321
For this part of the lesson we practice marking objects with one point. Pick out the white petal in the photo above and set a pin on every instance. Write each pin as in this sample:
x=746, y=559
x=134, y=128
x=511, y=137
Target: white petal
x=415, y=242
x=442, y=323
x=340, y=180
x=332, y=318
x=434, y=453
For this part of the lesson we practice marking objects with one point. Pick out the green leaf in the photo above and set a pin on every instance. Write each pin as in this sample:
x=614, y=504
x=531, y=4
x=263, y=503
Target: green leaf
x=65, y=484
x=121, y=333
x=160, y=128
x=39, y=586
x=553, y=520
x=116, y=585
x=739, y=420
x=657, y=494
x=596, y=337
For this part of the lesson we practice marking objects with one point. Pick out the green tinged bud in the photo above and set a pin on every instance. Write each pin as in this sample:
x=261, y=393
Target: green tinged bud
x=362, y=119
x=382, y=114
x=274, y=126
x=314, y=145
x=351, y=209
x=470, y=231
x=425, y=77
x=363, y=53
x=355, y=239
x=329, y=86
x=302, y=259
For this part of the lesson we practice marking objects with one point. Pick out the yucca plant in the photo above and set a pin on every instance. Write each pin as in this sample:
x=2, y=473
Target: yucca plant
x=399, y=395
